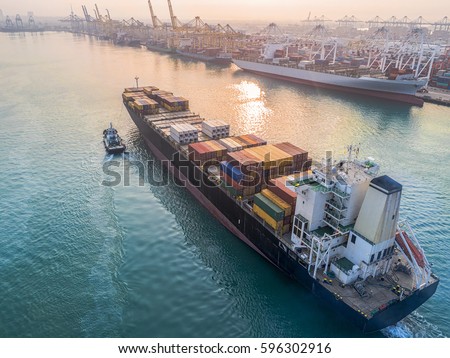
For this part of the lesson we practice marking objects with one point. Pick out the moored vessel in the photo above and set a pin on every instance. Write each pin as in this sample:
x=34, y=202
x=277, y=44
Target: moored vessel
x=277, y=62
x=334, y=227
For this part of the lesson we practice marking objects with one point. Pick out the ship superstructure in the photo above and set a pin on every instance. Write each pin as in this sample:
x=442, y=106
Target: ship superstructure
x=333, y=227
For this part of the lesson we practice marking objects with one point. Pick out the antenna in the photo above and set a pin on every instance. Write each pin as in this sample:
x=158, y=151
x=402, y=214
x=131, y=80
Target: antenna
x=351, y=149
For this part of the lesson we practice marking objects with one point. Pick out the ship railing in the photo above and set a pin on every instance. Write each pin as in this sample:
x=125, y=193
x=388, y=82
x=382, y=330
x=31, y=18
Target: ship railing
x=335, y=214
x=338, y=205
x=340, y=193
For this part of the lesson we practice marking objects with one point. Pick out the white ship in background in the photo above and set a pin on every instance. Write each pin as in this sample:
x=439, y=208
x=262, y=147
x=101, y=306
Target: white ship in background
x=394, y=73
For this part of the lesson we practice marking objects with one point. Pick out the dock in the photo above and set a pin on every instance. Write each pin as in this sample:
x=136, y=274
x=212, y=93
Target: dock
x=436, y=96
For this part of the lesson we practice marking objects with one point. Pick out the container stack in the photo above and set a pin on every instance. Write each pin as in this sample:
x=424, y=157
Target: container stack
x=133, y=89
x=231, y=144
x=288, y=209
x=250, y=140
x=207, y=153
x=128, y=96
x=443, y=81
x=146, y=105
x=278, y=187
x=216, y=128
x=299, y=157
x=271, y=213
x=250, y=166
x=174, y=104
x=184, y=133
x=275, y=161
x=232, y=177
x=157, y=95
x=150, y=89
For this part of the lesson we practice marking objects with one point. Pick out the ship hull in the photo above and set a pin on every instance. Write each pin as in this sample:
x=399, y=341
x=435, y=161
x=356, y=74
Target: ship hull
x=200, y=57
x=257, y=235
x=157, y=48
x=400, y=91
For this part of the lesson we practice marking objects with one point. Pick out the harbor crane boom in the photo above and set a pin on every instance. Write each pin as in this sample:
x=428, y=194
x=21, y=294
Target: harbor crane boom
x=155, y=21
x=175, y=22
x=152, y=14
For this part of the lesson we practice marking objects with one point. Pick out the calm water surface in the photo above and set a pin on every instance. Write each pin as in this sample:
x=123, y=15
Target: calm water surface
x=79, y=259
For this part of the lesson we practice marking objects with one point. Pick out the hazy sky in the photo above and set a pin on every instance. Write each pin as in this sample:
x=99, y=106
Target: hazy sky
x=270, y=10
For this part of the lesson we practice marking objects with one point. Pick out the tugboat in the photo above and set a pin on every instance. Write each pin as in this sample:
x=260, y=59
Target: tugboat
x=112, y=141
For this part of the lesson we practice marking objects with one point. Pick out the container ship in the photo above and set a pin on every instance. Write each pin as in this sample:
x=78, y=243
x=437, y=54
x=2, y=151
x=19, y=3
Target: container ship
x=318, y=73
x=214, y=55
x=334, y=227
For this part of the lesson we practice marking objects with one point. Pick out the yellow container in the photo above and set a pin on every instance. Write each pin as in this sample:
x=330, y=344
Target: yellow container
x=276, y=225
x=277, y=201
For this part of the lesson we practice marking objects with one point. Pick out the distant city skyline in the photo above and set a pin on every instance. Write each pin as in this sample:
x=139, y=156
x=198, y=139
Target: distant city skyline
x=234, y=10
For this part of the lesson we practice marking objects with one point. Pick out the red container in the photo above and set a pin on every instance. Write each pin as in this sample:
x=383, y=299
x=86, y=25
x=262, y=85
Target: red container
x=278, y=188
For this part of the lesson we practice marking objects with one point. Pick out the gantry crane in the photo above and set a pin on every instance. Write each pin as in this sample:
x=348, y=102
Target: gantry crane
x=176, y=24
x=157, y=23
x=9, y=23
x=19, y=22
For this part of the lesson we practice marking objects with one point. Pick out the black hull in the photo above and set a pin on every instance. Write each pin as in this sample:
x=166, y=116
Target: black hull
x=115, y=151
x=254, y=233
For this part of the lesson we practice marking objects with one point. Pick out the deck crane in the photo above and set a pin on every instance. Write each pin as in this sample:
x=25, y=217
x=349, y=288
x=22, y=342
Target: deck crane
x=155, y=21
x=175, y=22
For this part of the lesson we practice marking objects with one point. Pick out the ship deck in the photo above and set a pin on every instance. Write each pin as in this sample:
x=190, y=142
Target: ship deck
x=340, y=70
x=381, y=290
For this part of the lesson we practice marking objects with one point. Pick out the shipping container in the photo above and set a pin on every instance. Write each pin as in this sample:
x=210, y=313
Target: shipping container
x=288, y=219
x=134, y=89
x=274, y=211
x=276, y=225
x=251, y=140
x=270, y=156
x=278, y=201
x=279, y=188
x=232, y=191
x=149, y=89
x=231, y=182
x=208, y=151
x=234, y=172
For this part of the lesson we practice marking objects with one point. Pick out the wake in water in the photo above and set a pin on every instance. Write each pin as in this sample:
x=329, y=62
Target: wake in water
x=413, y=326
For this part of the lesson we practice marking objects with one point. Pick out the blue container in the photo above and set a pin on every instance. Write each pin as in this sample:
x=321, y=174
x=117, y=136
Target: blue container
x=236, y=174
x=443, y=79
x=233, y=172
x=228, y=168
x=224, y=166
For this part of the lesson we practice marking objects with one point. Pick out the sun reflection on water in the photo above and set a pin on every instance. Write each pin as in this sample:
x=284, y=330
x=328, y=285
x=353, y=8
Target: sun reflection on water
x=252, y=110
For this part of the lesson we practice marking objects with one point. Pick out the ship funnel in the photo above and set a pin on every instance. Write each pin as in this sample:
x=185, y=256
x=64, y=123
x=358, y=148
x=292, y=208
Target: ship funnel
x=377, y=219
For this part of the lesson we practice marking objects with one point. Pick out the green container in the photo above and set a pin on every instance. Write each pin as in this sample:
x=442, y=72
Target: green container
x=271, y=209
x=231, y=190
